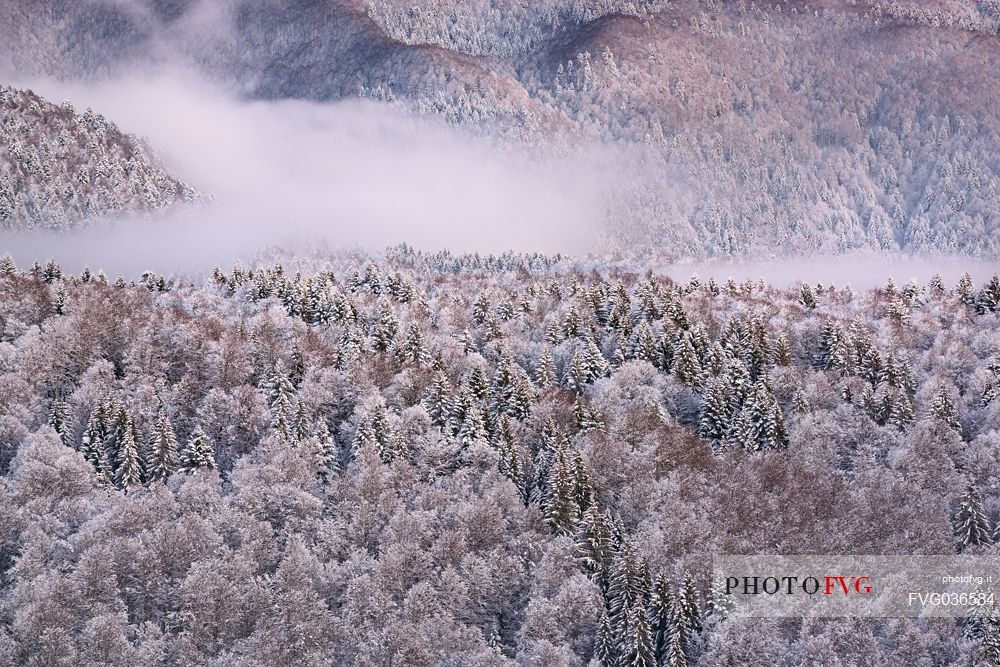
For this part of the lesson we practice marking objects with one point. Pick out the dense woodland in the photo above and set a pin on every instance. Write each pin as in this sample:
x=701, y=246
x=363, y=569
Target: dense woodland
x=428, y=459
x=59, y=168
x=737, y=128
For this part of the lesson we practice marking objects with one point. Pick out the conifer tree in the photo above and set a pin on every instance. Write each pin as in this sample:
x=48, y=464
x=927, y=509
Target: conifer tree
x=438, y=401
x=900, y=412
x=990, y=649
x=92, y=443
x=480, y=309
x=477, y=384
x=638, y=645
x=800, y=404
x=687, y=367
x=364, y=437
x=128, y=472
x=162, y=459
x=583, y=487
x=472, y=428
x=545, y=373
x=783, y=351
x=325, y=452
x=807, y=297
x=661, y=618
x=988, y=301
x=625, y=588
x=687, y=601
x=593, y=545
x=605, y=649
x=676, y=656
x=384, y=328
x=715, y=420
x=943, y=410
x=59, y=420
x=644, y=345
x=198, y=454
x=561, y=508
x=966, y=290
x=972, y=528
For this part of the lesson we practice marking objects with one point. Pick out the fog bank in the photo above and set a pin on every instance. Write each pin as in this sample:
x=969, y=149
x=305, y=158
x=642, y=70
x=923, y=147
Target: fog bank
x=294, y=174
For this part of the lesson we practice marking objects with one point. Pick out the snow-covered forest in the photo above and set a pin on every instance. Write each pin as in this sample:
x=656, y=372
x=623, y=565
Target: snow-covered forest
x=521, y=433
x=429, y=459
x=59, y=168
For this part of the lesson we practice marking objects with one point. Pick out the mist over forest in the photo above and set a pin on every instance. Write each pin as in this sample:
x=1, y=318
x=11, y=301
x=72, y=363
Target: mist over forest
x=472, y=333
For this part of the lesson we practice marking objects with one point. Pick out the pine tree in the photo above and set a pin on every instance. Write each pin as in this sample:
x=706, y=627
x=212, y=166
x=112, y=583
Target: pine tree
x=943, y=410
x=59, y=420
x=605, y=649
x=583, y=487
x=472, y=428
x=162, y=458
x=578, y=374
x=7, y=265
x=480, y=309
x=364, y=437
x=385, y=328
x=800, y=404
x=783, y=351
x=545, y=373
x=991, y=644
x=596, y=364
x=687, y=600
x=438, y=401
x=593, y=545
x=966, y=290
x=586, y=417
x=972, y=528
x=638, y=644
x=830, y=335
x=625, y=588
x=278, y=385
x=128, y=473
x=675, y=655
x=900, y=412
x=936, y=285
x=988, y=301
x=386, y=439
x=282, y=419
x=720, y=604
x=198, y=454
x=644, y=345
x=807, y=297
x=325, y=453
x=687, y=367
x=715, y=420
x=661, y=618
x=760, y=424
x=92, y=443
x=561, y=508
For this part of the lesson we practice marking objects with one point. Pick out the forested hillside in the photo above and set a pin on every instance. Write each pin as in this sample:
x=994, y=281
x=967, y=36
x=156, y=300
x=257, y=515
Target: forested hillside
x=429, y=459
x=739, y=128
x=59, y=168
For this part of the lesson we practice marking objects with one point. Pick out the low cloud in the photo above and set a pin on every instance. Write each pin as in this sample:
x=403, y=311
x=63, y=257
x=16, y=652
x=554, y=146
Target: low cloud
x=295, y=174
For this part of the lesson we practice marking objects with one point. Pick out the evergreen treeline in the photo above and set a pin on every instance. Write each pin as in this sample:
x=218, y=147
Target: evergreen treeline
x=432, y=459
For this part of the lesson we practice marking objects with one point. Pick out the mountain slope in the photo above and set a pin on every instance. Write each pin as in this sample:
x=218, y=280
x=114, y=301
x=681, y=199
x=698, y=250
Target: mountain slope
x=58, y=168
x=739, y=128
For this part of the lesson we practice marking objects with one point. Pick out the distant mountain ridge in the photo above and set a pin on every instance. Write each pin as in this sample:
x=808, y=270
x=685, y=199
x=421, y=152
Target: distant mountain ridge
x=749, y=128
x=59, y=168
